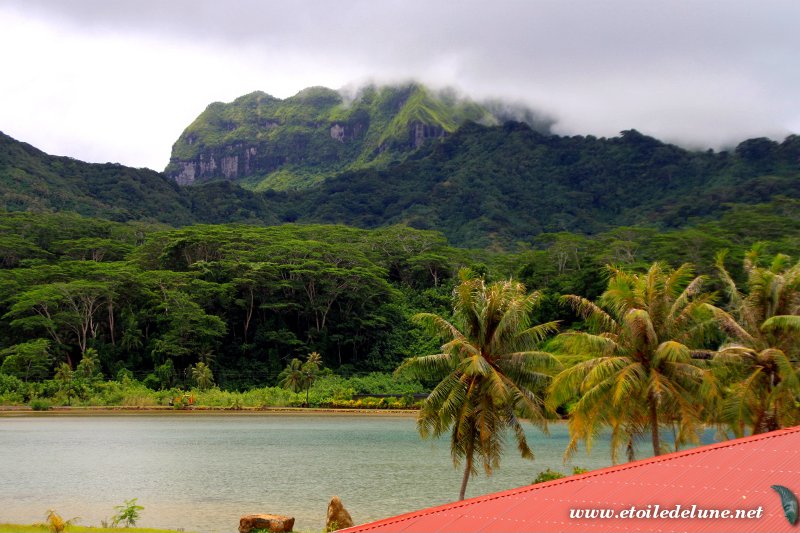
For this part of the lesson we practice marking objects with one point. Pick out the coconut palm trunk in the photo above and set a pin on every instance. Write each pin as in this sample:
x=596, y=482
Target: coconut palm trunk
x=654, y=427
x=467, y=472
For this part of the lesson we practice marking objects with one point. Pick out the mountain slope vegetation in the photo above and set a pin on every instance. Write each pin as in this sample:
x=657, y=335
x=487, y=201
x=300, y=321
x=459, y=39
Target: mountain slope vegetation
x=31, y=180
x=495, y=186
x=34, y=180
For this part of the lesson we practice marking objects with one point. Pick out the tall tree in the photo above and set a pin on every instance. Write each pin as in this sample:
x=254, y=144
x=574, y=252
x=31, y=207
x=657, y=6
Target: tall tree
x=27, y=361
x=763, y=348
x=189, y=330
x=635, y=370
x=62, y=309
x=491, y=371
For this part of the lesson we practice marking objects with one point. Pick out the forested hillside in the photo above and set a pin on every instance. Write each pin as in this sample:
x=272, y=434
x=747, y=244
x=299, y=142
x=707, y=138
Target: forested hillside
x=481, y=186
x=31, y=180
x=495, y=186
x=35, y=181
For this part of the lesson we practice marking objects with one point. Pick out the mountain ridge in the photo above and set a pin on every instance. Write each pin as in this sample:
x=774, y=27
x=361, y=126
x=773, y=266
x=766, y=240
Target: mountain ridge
x=481, y=186
x=263, y=142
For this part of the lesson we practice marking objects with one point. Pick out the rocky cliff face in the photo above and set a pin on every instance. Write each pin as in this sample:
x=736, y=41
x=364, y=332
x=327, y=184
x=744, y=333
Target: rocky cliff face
x=231, y=162
x=210, y=165
x=264, y=142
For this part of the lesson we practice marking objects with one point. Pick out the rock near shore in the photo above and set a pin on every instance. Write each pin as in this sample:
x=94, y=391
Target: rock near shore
x=338, y=517
x=270, y=522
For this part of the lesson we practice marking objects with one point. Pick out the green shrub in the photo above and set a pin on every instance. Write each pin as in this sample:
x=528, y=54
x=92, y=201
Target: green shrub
x=12, y=390
x=547, y=475
x=40, y=404
x=550, y=475
x=127, y=513
x=12, y=398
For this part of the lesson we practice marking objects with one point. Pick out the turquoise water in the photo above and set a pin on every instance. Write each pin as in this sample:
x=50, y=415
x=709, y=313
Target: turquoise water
x=202, y=473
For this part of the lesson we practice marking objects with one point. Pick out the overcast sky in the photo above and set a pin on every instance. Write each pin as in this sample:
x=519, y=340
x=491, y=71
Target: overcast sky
x=118, y=80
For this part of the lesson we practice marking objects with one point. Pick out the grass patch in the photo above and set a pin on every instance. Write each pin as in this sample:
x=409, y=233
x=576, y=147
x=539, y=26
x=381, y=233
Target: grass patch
x=17, y=528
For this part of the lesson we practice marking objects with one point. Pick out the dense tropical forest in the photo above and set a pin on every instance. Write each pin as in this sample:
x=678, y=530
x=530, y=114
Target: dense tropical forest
x=626, y=268
x=151, y=303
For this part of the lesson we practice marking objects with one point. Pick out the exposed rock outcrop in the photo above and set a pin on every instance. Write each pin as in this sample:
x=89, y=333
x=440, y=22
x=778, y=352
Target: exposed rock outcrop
x=422, y=132
x=269, y=522
x=234, y=162
x=338, y=132
x=347, y=132
x=338, y=517
x=270, y=142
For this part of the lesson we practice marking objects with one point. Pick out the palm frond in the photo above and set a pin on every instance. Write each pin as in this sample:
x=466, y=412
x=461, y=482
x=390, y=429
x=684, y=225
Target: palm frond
x=784, y=323
x=683, y=299
x=638, y=323
x=730, y=326
x=627, y=380
x=679, y=282
x=671, y=352
x=734, y=296
x=437, y=325
x=476, y=365
x=590, y=311
x=427, y=366
x=540, y=332
x=581, y=343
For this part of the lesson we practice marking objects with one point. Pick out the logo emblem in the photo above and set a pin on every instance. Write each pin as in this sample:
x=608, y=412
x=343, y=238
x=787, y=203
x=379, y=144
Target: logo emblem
x=789, y=502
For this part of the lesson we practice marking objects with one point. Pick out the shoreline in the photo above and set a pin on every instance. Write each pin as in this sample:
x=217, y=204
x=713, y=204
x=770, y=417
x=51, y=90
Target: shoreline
x=23, y=410
x=44, y=528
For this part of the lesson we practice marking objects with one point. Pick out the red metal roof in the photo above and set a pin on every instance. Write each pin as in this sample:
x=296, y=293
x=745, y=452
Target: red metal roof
x=735, y=474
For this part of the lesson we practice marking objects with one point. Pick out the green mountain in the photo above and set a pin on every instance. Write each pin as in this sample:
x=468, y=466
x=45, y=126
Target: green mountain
x=263, y=142
x=482, y=186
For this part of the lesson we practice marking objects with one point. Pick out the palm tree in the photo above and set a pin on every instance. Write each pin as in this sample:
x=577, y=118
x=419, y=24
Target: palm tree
x=89, y=365
x=762, y=351
x=64, y=376
x=202, y=376
x=292, y=377
x=310, y=370
x=635, y=370
x=490, y=371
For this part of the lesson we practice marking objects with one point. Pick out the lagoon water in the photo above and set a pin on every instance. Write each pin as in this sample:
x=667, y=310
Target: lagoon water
x=202, y=472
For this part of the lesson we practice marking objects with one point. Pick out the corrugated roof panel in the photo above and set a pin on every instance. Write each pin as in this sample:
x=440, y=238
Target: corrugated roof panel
x=733, y=475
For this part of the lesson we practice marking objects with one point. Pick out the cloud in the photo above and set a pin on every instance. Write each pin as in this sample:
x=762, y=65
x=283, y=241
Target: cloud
x=119, y=79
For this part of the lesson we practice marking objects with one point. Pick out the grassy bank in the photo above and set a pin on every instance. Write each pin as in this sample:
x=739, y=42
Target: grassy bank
x=10, y=411
x=41, y=528
x=372, y=391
